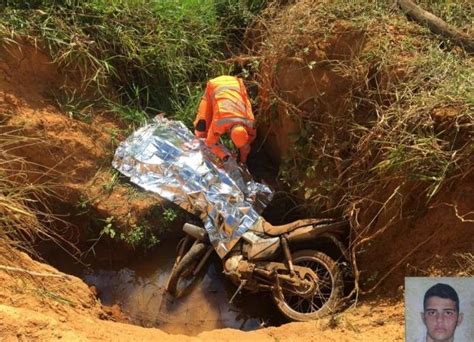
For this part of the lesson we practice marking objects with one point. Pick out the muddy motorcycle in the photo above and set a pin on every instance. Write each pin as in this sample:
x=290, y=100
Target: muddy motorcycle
x=286, y=261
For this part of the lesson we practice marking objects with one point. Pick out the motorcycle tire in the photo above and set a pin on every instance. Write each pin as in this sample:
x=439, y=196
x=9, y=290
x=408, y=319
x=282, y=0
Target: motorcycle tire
x=182, y=248
x=322, y=302
x=184, y=266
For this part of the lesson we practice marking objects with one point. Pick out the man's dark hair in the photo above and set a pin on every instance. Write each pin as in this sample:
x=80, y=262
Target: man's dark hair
x=443, y=291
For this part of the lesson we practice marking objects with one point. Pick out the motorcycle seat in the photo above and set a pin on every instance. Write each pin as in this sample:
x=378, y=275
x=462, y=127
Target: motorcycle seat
x=269, y=229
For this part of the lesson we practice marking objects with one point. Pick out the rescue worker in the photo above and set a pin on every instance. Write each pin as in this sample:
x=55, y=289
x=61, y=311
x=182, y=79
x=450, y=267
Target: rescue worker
x=226, y=109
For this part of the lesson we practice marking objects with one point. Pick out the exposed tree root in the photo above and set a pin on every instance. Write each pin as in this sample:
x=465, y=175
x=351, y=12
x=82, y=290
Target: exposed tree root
x=436, y=24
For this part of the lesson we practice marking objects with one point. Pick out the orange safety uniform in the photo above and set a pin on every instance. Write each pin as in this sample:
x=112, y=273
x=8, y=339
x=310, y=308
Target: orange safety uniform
x=224, y=105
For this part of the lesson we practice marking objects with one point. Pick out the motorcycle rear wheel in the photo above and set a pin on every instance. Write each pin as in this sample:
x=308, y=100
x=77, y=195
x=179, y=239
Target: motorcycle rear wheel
x=329, y=291
x=179, y=281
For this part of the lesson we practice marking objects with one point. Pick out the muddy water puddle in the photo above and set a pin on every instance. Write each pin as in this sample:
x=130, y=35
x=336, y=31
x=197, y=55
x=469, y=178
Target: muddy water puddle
x=139, y=288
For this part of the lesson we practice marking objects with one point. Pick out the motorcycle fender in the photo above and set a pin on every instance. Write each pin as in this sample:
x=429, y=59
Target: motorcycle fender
x=311, y=233
x=314, y=232
x=302, y=234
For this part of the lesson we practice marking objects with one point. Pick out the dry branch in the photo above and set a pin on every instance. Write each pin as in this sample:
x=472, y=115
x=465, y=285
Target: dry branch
x=436, y=24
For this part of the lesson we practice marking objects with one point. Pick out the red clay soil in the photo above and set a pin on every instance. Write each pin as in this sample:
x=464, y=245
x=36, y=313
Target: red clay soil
x=428, y=242
x=71, y=156
x=299, y=86
x=45, y=305
x=75, y=156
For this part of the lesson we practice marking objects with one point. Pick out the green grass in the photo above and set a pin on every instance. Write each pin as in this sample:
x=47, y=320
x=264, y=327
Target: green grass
x=152, y=56
x=458, y=13
x=132, y=58
x=23, y=214
x=337, y=161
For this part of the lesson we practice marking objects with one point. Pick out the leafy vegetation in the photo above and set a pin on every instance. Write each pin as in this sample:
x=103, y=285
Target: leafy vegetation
x=397, y=121
x=406, y=115
x=380, y=108
x=140, y=234
x=138, y=56
x=133, y=58
x=457, y=13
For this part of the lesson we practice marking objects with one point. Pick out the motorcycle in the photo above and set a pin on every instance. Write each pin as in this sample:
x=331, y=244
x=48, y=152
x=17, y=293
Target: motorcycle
x=292, y=262
x=287, y=261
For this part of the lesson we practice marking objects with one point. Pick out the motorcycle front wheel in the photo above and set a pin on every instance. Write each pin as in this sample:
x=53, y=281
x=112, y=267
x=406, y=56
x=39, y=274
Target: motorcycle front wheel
x=181, y=277
x=328, y=292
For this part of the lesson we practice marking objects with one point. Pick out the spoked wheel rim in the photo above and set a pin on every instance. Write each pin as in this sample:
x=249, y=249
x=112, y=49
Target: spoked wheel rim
x=327, y=290
x=321, y=295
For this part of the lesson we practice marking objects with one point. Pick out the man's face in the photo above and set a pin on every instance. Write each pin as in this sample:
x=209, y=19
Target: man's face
x=441, y=319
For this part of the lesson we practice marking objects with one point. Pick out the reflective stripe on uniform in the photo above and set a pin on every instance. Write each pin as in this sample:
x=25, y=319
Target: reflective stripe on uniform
x=220, y=89
x=227, y=105
x=235, y=103
x=225, y=121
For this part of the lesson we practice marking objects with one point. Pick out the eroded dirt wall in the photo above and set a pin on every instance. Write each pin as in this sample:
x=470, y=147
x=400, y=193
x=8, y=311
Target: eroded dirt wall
x=70, y=156
x=332, y=78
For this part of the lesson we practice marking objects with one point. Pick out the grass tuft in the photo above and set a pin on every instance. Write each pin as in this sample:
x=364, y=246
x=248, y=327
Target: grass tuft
x=23, y=214
x=149, y=55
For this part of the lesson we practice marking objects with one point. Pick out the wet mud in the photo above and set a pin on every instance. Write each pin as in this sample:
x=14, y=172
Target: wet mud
x=139, y=288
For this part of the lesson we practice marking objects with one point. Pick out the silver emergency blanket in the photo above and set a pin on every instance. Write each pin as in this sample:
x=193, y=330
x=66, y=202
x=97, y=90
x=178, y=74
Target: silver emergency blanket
x=164, y=157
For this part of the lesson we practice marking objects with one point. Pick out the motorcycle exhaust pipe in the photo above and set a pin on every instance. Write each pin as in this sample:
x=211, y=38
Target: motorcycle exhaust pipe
x=196, y=232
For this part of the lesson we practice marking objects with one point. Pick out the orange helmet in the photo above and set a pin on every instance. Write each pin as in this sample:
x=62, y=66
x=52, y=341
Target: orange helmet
x=239, y=136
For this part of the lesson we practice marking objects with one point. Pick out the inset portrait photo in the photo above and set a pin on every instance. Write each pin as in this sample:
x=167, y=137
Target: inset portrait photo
x=439, y=309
